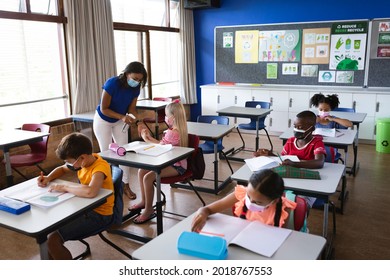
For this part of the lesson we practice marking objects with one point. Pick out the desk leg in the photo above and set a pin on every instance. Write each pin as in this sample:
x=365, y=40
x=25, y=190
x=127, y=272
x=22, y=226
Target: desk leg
x=257, y=134
x=159, y=205
x=156, y=128
x=216, y=167
x=43, y=250
x=8, y=168
x=325, y=225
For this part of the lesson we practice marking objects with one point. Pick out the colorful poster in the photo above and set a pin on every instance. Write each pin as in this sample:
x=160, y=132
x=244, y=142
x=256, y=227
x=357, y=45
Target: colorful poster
x=315, y=46
x=272, y=70
x=247, y=46
x=326, y=77
x=345, y=77
x=227, y=40
x=280, y=45
x=384, y=38
x=309, y=70
x=289, y=68
x=348, y=46
x=383, y=51
x=384, y=26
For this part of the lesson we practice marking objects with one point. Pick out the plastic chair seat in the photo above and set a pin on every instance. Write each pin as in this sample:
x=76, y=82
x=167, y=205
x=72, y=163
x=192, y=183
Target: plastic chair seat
x=27, y=159
x=251, y=125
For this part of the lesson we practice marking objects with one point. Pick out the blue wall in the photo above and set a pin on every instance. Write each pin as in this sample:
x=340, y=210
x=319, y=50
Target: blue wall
x=241, y=12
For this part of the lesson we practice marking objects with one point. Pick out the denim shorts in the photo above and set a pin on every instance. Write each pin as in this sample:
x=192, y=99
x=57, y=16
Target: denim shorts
x=179, y=169
x=84, y=226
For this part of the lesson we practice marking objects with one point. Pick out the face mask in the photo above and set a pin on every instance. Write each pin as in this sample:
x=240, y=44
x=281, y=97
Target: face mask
x=300, y=133
x=132, y=83
x=323, y=114
x=254, y=207
x=169, y=120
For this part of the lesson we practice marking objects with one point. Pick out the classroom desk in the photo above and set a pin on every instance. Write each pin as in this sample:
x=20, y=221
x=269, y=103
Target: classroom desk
x=330, y=174
x=152, y=105
x=155, y=164
x=39, y=222
x=356, y=119
x=298, y=246
x=15, y=138
x=245, y=112
x=213, y=132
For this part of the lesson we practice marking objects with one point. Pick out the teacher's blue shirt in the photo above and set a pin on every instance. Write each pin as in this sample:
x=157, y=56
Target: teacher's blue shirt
x=121, y=97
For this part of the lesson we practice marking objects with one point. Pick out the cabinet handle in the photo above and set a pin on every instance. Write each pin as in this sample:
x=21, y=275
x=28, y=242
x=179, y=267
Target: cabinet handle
x=375, y=130
x=290, y=105
x=218, y=99
x=253, y=98
x=354, y=105
x=271, y=100
x=377, y=107
x=235, y=99
x=289, y=123
x=270, y=122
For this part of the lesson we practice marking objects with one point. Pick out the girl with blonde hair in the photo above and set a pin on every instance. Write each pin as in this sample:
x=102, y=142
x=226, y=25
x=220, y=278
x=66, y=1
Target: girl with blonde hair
x=176, y=135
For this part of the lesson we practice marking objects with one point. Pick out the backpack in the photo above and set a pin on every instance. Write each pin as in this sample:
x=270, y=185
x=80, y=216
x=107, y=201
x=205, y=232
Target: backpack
x=197, y=164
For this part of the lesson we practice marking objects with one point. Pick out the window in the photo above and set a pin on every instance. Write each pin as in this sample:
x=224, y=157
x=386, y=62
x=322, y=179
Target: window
x=32, y=70
x=143, y=33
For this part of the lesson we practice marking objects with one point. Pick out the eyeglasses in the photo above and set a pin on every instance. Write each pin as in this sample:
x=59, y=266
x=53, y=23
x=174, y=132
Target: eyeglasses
x=71, y=165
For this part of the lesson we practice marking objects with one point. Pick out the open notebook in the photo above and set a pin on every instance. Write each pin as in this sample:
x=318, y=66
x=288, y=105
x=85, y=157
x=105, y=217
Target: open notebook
x=148, y=149
x=328, y=132
x=33, y=194
x=251, y=235
x=262, y=162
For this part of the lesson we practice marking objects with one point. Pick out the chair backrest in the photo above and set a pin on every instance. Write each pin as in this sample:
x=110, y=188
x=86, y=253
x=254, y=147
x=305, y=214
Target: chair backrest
x=261, y=104
x=297, y=218
x=340, y=109
x=195, y=162
x=117, y=174
x=38, y=147
x=210, y=118
x=332, y=155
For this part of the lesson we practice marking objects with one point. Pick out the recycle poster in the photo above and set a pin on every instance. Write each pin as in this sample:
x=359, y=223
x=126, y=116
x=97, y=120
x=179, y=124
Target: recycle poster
x=348, y=45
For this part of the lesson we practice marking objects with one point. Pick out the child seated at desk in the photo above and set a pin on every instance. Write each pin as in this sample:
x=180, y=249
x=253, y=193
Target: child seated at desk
x=93, y=173
x=307, y=147
x=325, y=104
x=261, y=200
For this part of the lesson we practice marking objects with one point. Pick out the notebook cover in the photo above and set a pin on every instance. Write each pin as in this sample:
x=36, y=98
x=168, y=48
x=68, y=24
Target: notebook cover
x=202, y=246
x=13, y=206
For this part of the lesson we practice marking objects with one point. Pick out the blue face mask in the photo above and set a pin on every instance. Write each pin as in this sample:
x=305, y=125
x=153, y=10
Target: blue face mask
x=132, y=83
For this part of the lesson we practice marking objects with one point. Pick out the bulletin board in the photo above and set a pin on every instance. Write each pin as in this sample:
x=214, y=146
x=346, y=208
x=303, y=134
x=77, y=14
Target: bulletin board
x=311, y=53
x=379, y=61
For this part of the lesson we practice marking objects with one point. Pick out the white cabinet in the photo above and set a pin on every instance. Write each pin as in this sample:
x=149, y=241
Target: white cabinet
x=286, y=102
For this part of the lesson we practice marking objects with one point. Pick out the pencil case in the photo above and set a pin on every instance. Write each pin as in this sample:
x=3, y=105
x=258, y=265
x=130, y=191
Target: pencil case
x=202, y=246
x=13, y=206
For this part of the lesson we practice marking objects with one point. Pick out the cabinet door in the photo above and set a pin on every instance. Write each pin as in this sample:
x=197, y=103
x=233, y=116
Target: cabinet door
x=209, y=100
x=278, y=121
x=345, y=98
x=367, y=128
x=382, y=106
x=260, y=95
x=279, y=100
x=299, y=101
x=365, y=103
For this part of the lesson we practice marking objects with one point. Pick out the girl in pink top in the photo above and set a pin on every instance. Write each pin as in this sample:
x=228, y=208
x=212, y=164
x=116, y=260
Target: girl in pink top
x=177, y=135
x=262, y=200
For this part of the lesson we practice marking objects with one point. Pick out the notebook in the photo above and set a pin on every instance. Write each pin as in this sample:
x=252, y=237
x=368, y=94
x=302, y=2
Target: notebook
x=148, y=149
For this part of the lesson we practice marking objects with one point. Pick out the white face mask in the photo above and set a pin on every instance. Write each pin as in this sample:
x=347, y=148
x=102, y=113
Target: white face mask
x=255, y=207
x=323, y=114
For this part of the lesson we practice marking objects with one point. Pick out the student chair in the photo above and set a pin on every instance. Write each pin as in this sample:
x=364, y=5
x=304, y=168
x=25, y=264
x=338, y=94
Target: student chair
x=38, y=150
x=252, y=124
x=208, y=146
x=187, y=177
x=160, y=115
x=116, y=220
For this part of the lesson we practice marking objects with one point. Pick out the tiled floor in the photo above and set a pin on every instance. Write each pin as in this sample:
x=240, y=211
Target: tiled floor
x=363, y=231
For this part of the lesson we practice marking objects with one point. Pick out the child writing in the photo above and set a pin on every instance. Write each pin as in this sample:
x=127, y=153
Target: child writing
x=261, y=200
x=177, y=135
x=324, y=106
x=309, y=148
x=93, y=173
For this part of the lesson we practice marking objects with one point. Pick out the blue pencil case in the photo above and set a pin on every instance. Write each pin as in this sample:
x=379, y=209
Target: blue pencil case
x=202, y=246
x=13, y=206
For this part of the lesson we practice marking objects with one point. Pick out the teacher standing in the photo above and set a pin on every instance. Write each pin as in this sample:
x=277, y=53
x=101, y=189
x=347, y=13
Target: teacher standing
x=119, y=100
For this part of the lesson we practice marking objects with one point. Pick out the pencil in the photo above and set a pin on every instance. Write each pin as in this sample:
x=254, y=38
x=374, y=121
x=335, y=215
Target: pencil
x=280, y=157
x=212, y=233
x=147, y=148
